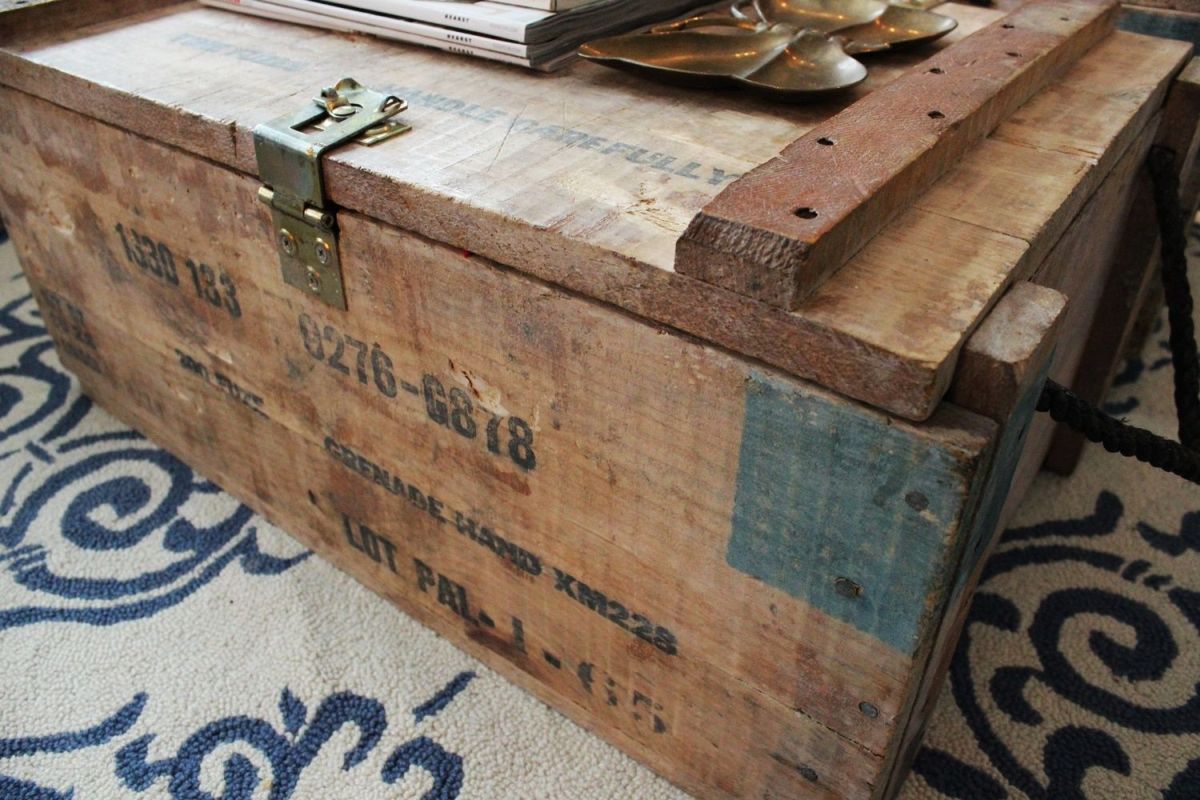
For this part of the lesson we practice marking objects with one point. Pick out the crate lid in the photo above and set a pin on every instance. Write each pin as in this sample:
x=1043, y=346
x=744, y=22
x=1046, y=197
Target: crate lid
x=589, y=179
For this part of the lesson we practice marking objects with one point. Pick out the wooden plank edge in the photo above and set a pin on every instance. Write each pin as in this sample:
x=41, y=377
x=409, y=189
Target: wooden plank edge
x=1011, y=354
x=1013, y=342
x=776, y=337
x=908, y=389
x=837, y=186
x=1161, y=22
x=25, y=19
x=1135, y=268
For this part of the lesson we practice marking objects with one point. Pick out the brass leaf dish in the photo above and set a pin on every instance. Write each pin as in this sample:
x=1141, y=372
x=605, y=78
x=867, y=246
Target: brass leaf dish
x=791, y=49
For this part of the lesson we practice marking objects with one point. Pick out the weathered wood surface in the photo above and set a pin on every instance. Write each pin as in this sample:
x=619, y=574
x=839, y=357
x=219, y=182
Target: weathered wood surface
x=1135, y=265
x=1081, y=266
x=712, y=735
x=1000, y=358
x=778, y=232
x=502, y=164
x=1014, y=349
x=1188, y=6
x=715, y=504
x=21, y=19
x=1162, y=19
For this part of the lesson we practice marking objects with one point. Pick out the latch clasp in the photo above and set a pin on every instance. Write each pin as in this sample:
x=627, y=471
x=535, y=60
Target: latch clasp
x=289, y=152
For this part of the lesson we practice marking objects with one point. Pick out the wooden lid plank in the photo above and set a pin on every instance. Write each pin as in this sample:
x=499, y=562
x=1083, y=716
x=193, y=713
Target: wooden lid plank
x=495, y=165
x=778, y=232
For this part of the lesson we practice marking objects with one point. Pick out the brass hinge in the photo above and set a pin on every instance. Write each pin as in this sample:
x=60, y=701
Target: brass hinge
x=289, y=153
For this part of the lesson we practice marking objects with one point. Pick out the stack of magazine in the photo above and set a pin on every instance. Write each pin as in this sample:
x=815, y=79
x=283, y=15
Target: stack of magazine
x=541, y=34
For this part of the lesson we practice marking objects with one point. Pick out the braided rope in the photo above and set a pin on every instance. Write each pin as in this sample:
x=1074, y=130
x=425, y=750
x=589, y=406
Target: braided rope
x=1117, y=436
x=1171, y=222
x=1180, y=458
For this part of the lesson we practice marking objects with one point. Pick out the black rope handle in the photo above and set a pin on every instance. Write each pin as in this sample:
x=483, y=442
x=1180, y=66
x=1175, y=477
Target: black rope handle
x=1181, y=458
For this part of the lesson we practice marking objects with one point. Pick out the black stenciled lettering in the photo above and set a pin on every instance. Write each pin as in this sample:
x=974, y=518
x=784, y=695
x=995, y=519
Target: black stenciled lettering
x=562, y=583
x=618, y=613
x=462, y=411
x=665, y=640
x=595, y=600
x=381, y=368
x=643, y=628
x=69, y=318
x=435, y=508
x=570, y=137
x=360, y=359
x=435, y=400
x=585, y=676
x=416, y=497
x=389, y=552
x=720, y=176
x=614, y=611
x=348, y=527
x=156, y=259
x=220, y=381
x=518, y=633
x=454, y=596
x=339, y=346
x=425, y=575
x=370, y=544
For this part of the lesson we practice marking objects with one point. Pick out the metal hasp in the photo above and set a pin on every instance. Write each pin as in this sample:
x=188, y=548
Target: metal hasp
x=289, y=153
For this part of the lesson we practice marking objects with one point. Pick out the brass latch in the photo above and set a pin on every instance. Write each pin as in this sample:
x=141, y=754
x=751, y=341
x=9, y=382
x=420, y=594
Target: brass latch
x=289, y=153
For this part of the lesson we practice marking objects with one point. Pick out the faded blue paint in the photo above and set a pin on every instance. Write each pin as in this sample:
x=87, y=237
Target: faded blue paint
x=1003, y=470
x=1160, y=23
x=825, y=491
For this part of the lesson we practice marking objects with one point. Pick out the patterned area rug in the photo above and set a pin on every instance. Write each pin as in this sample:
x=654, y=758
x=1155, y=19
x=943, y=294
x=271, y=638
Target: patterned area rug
x=157, y=639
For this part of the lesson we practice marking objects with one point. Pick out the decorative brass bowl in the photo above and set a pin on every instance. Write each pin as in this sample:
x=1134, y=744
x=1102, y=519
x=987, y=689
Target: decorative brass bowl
x=824, y=16
x=791, y=49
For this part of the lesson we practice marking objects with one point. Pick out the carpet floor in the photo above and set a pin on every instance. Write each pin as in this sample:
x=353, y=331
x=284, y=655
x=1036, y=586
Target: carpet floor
x=157, y=639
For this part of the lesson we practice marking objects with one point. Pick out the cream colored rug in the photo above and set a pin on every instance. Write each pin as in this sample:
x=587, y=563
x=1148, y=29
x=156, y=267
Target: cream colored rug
x=157, y=640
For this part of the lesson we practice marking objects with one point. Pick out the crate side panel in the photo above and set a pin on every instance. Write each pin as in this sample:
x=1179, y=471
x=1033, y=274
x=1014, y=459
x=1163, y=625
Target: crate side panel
x=636, y=432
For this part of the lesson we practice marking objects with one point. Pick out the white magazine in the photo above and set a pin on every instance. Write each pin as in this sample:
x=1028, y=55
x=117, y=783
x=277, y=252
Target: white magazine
x=526, y=25
x=400, y=30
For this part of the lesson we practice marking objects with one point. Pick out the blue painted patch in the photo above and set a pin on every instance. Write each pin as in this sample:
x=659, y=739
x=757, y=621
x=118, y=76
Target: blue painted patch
x=830, y=501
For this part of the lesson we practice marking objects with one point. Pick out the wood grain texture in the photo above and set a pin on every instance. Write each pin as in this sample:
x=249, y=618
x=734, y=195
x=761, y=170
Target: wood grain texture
x=1081, y=267
x=915, y=291
x=712, y=735
x=1180, y=24
x=1135, y=265
x=640, y=504
x=1001, y=357
x=27, y=19
x=1083, y=258
x=778, y=232
x=498, y=168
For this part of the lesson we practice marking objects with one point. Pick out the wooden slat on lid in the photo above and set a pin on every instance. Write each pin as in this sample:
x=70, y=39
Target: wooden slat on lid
x=587, y=179
x=779, y=232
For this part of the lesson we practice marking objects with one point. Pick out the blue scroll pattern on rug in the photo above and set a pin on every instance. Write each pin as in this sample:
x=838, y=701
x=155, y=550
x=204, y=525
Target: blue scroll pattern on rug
x=288, y=748
x=100, y=492
x=1158, y=607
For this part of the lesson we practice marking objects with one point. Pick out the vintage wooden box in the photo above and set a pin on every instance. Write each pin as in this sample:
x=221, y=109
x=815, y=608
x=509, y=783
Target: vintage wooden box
x=691, y=413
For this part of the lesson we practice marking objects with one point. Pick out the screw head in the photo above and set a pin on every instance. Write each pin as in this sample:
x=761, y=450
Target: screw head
x=323, y=251
x=314, y=281
x=287, y=241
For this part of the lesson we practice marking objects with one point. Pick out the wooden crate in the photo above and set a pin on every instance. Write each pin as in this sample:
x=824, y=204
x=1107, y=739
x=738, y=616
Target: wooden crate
x=730, y=525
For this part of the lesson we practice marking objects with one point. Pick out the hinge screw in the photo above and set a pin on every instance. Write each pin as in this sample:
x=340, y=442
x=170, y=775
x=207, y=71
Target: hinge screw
x=323, y=251
x=314, y=280
x=287, y=241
